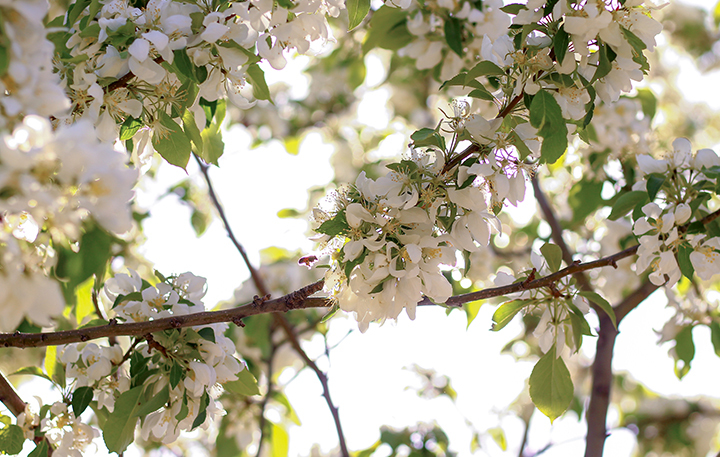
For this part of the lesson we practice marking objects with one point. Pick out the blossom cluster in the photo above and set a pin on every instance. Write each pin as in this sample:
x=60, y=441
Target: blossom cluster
x=177, y=54
x=562, y=323
x=393, y=233
x=681, y=182
x=181, y=366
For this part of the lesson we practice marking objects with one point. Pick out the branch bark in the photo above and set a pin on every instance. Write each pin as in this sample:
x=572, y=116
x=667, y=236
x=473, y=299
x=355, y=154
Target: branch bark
x=602, y=373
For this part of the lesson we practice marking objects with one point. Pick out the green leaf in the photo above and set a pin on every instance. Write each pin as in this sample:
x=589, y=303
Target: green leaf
x=626, y=202
x=684, y=350
x=498, y=434
x=471, y=310
x=513, y=8
x=119, y=430
x=153, y=401
x=172, y=144
x=192, y=131
x=4, y=59
x=279, y=442
x=202, y=411
x=207, y=333
x=584, y=198
x=715, y=336
x=213, y=145
x=290, y=411
x=335, y=226
x=357, y=10
x=638, y=46
x=81, y=399
x=607, y=55
x=648, y=102
x=75, y=10
x=246, y=384
x=482, y=94
x=546, y=117
x=41, y=450
x=11, y=437
x=551, y=387
x=553, y=256
x=388, y=30
x=683, y=259
x=560, y=44
x=654, y=183
x=602, y=303
x=55, y=370
x=505, y=312
x=257, y=79
x=483, y=68
x=34, y=371
x=176, y=374
x=453, y=35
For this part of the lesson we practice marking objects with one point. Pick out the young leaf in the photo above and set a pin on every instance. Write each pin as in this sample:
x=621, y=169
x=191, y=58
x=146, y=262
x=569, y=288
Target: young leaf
x=129, y=128
x=553, y=256
x=357, y=10
x=683, y=259
x=81, y=399
x=176, y=374
x=279, y=442
x=483, y=68
x=627, y=202
x=551, y=387
x=172, y=144
x=560, y=44
x=546, y=116
x=685, y=350
x=246, y=384
x=11, y=437
x=119, y=430
x=388, y=30
x=154, y=402
x=41, y=450
x=602, y=303
x=207, y=333
x=505, y=313
x=453, y=35
x=715, y=336
x=202, y=411
x=257, y=79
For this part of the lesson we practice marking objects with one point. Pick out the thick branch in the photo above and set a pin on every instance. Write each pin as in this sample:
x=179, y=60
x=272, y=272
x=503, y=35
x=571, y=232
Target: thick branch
x=9, y=397
x=602, y=373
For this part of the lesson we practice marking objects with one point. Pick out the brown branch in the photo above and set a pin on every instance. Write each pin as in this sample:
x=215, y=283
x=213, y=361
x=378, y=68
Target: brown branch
x=299, y=299
x=602, y=374
x=234, y=315
x=293, y=300
x=10, y=398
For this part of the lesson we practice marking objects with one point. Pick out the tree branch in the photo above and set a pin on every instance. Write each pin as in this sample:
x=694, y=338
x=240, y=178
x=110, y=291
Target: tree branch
x=294, y=300
x=10, y=398
x=286, y=326
x=602, y=374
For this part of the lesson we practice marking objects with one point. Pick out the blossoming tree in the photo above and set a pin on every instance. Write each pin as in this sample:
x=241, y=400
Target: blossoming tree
x=498, y=102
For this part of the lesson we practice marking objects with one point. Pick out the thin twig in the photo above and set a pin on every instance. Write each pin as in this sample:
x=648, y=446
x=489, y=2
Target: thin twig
x=293, y=300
